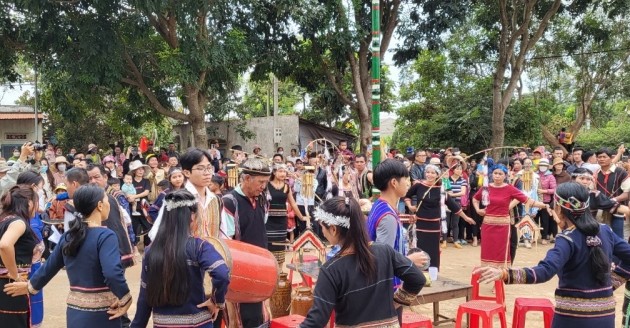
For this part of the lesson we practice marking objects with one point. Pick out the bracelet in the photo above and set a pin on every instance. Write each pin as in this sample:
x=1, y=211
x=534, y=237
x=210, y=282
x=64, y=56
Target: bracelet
x=30, y=289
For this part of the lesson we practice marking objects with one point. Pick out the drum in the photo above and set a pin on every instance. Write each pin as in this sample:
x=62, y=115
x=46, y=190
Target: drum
x=253, y=270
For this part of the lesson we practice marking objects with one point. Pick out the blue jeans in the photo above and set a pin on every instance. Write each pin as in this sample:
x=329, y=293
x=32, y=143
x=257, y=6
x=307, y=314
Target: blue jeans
x=616, y=224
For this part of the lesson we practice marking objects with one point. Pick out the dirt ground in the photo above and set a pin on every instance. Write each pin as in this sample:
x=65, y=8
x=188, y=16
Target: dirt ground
x=456, y=264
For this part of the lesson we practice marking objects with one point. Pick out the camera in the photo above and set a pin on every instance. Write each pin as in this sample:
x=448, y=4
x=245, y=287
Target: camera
x=39, y=146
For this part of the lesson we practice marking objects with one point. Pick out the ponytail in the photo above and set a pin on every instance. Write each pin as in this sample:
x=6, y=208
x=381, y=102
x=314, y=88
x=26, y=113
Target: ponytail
x=574, y=205
x=75, y=236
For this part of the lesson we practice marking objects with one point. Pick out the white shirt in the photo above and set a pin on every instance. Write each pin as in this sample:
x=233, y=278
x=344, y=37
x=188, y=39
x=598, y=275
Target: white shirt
x=190, y=187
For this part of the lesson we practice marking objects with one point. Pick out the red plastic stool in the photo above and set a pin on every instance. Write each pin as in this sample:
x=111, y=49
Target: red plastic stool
x=522, y=305
x=480, y=309
x=499, y=291
x=414, y=320
x=290, y=321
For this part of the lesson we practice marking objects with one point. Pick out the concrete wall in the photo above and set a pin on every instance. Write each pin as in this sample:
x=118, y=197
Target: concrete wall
x=262, y=128
x=17, y=126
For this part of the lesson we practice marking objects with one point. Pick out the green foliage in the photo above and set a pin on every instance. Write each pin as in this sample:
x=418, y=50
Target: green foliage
x=611, y=134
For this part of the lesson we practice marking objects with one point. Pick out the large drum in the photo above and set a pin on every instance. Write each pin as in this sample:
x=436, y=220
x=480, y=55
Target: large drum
x=253, y=270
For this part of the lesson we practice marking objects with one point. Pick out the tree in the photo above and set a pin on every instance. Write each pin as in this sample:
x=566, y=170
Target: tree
x=521, y=24
x=189, y=51
x=336, y=47
x=601, y=46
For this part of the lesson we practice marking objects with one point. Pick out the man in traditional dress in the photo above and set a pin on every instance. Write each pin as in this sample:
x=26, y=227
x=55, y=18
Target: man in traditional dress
x=198, y=170
x=243, y=217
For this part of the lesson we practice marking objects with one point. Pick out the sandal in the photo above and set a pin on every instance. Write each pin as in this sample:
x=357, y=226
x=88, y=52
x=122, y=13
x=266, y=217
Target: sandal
x=544, y=242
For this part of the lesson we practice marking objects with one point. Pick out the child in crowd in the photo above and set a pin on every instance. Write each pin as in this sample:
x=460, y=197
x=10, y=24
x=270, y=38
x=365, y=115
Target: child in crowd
x=216, y=185
x=129, y=189
x=56, y=211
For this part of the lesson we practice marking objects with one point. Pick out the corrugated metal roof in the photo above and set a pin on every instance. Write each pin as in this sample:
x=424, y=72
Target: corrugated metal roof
x=20, y=116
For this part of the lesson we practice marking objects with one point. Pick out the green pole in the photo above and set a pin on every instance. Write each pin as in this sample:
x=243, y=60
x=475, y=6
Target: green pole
x=376, y=83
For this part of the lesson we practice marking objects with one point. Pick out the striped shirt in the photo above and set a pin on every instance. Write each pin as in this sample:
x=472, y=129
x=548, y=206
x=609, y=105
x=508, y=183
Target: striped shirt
x=456, y=187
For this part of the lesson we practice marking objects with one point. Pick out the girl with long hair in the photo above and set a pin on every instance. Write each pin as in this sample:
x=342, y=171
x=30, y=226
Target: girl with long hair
x=99, y=295
x=173, y=271
x=358, y=281
x=581, y=258
x=17, y=244
x=176, y=181
x=36, y=181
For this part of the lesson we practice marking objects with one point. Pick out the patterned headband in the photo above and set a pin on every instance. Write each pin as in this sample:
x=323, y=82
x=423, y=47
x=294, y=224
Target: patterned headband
x=572, y=204
x=170, y=205
x=331, y=219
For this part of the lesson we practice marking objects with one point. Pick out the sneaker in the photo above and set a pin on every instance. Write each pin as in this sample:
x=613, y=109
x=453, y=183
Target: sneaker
x=135, y=213
x=457, y=244
x=528, y=244
x=463, y=242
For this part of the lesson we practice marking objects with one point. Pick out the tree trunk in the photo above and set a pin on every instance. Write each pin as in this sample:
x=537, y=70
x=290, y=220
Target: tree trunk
x=498, y=117
x=196, y=105
x=365, y=127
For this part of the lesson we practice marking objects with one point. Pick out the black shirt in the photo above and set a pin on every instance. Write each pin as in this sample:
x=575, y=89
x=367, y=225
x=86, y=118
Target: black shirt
x=141, y=186
x=249, y=218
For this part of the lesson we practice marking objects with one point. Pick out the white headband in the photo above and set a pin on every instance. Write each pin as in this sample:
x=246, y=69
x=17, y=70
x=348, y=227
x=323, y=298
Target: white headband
x=173, y=205
x=331, y=219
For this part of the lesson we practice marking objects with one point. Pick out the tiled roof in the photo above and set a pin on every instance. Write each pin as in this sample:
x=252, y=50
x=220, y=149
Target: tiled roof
x=20, y=116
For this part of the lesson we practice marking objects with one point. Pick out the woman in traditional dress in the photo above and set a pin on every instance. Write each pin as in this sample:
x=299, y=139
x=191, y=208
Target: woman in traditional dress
x=358, y=281
x=17, y=241
x=99, y=295
x=280, y=194
x=431, y=212
x=173, y=271
x=581, y=258
x=496, y=197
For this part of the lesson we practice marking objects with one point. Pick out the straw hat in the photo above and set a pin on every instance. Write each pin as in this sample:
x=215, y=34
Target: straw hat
x=557, y=160
x=61, y=159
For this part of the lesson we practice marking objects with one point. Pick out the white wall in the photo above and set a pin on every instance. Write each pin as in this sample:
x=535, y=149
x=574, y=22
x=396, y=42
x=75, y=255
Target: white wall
x=18, y=126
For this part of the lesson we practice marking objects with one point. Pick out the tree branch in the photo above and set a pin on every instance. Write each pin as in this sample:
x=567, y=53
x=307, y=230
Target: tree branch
x=392, y=22
x=344, y=98
x=155, y=103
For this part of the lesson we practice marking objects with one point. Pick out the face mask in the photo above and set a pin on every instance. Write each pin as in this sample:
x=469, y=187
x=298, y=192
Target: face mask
x=44, y=168
x=543, y=169
x=16, y=154
x=281, y=152
x=61, y=167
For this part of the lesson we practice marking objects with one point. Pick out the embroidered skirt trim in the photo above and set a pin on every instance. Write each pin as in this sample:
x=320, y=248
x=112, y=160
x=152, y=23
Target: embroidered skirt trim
x=182, y=320
x=585, y=307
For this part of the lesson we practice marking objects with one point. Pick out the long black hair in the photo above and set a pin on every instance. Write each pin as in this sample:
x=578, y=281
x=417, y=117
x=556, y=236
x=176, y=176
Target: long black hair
x=356, y=235
x=167, y=282
x=29, y=178
x=14, y=202
x=86, y=199
x=585, y=223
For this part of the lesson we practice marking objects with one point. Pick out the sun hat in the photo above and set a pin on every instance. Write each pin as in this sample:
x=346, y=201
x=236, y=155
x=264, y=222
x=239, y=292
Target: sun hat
x=60, y=186
x=133, y=166
x=61, y=159
x=108, y=158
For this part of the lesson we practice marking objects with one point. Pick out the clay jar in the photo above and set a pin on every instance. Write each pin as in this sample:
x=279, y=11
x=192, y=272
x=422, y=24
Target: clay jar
x=280, y=301
x=302, y=301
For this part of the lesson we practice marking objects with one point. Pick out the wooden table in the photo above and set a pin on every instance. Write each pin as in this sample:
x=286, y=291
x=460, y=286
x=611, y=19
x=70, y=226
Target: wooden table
x=443, y=289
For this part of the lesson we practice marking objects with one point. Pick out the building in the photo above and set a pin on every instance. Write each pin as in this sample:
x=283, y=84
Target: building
x=287, y=131
x=17, y=126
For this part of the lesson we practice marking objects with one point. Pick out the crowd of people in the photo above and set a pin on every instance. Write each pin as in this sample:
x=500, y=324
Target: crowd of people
x=67, y=208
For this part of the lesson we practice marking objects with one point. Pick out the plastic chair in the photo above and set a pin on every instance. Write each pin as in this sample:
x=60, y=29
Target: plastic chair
x=289, y=321
x=522, y=305
x=499, y=291
x=414, y=320
x=483, y=310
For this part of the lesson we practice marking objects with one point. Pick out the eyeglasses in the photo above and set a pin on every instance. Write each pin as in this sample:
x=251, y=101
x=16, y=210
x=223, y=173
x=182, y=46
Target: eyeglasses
x=204, y=169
